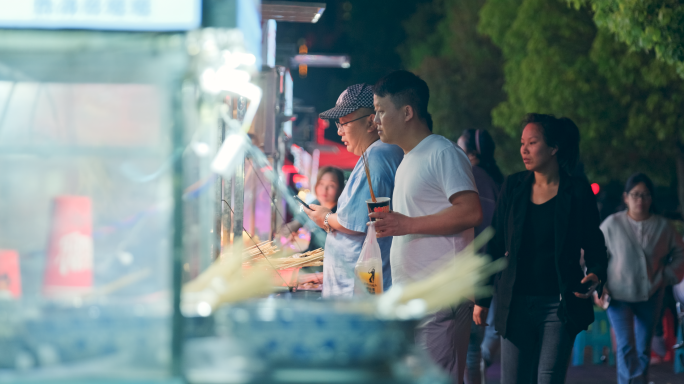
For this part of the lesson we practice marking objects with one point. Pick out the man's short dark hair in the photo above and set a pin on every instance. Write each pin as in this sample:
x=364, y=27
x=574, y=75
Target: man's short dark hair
x=405, y=88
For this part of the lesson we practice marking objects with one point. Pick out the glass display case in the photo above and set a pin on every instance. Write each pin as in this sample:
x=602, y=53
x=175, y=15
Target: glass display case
x=102, y=136
x=128, y=162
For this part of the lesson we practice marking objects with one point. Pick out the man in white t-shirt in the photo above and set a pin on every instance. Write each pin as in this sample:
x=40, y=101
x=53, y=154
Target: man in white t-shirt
x=353, y=115
x=435, y=208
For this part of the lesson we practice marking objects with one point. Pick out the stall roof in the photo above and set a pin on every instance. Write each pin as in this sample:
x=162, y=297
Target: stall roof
x=323, y=61
x=124, y=15
x=295, y=12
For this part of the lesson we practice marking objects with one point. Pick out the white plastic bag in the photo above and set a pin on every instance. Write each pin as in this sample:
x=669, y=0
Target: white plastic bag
x=369, y=266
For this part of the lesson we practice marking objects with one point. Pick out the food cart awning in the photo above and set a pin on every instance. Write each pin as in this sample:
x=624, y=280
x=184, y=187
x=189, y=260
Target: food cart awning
x=322, y=61
x=291, y=11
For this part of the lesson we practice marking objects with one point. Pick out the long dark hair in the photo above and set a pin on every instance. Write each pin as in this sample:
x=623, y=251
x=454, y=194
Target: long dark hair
x=480, y=143
x=558, y=132
x=638, y=178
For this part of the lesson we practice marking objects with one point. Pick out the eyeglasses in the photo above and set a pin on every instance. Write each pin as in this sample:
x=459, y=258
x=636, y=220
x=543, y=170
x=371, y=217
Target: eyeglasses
x=339, y=126
x=637, y=196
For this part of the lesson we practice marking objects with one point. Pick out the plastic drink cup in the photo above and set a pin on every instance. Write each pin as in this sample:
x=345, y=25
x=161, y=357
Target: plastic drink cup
x=371, y=276
x=369, y=266
x=382, y=204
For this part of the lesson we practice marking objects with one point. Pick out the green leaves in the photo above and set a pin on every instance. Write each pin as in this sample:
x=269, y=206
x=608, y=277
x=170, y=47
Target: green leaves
x=561, y=57
x=613, y=66
x=648, y=25
x=463, y=69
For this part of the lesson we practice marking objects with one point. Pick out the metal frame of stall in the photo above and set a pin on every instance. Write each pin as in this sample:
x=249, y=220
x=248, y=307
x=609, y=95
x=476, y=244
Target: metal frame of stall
x=86, y=34
x=273, y=119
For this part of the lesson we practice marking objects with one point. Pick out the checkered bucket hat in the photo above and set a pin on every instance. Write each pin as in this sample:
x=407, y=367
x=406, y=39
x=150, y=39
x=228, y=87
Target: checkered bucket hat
x=355, y=97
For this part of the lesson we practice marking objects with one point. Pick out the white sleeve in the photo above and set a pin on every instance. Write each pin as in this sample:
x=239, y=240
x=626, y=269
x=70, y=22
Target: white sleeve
x=454, y=172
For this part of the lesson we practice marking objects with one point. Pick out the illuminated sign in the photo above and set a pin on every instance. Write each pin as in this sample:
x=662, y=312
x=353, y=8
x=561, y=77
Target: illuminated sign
x=127, y=15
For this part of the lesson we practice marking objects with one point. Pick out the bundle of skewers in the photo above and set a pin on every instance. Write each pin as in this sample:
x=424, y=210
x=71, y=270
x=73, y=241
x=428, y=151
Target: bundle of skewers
x=259, y=251
x=224, y=282
x=307, y=259
x=268, y=253
x=462, y=277
x=273, y=258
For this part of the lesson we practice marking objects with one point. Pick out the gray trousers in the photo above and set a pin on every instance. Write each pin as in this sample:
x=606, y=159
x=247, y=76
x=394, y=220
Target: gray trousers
x=537, y=345
x=444, y=335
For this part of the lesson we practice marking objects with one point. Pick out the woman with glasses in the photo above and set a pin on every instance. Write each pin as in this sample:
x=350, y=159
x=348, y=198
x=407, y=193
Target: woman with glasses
x=645, y=255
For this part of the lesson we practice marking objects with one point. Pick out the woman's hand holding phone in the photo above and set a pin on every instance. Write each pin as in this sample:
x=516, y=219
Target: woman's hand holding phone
x=588, y=286
x=317, y=214
x=300, y=201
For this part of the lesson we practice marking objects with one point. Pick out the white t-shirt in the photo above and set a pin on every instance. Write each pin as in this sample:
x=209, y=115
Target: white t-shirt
x=431, y=173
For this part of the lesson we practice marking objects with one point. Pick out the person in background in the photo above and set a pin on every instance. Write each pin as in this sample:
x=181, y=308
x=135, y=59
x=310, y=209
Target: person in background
x=678, y=293
x=645, y=254
x=436, y=209
x=354, y=116
x=543, y=220
x=328, y=188
x=479, y=146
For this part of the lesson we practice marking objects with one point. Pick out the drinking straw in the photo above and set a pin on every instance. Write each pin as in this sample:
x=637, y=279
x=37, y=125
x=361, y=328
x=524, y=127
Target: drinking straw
x=370, y=186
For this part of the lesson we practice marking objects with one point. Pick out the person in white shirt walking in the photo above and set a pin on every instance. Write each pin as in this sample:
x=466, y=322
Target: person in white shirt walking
x=436, y=207
x=645, y=254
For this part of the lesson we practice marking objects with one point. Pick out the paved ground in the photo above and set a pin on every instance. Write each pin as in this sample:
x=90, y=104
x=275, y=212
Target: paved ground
x=600, y=374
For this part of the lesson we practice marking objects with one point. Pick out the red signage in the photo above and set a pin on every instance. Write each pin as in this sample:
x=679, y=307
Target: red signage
x=10, y=277
x=69, y=268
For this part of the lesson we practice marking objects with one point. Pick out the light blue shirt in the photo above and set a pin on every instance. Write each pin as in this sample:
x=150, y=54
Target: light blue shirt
x=342, y=251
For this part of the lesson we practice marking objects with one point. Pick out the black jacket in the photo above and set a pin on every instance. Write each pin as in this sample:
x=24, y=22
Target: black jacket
x=576, y=227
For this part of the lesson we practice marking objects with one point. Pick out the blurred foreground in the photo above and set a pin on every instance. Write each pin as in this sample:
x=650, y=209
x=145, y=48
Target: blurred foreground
x=599, y=374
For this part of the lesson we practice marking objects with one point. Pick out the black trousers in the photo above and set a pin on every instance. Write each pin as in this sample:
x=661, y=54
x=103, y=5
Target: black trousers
x=537, y=346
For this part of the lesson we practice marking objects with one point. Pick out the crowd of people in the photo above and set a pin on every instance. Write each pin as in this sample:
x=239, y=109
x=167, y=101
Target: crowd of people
x=560, y=257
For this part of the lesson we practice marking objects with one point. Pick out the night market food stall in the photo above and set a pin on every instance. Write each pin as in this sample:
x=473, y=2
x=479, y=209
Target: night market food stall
x=124, y=129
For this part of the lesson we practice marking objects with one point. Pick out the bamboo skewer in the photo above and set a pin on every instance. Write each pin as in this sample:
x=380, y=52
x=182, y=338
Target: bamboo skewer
x=257, y=246
x=368, y=177
x=291, y=263
x=261, y=249
x=269, y=254
x=119, y=283
x=460, y=278
x=227, y=268
x=225, y=282
x=304, y=260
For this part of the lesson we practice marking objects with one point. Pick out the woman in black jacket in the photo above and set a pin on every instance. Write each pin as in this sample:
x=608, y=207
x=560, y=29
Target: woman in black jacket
x=544, y=218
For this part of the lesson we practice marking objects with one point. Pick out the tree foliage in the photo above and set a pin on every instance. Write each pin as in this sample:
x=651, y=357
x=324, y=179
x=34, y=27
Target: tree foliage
x=651, y=25
x=626, y=103
x=463, y=69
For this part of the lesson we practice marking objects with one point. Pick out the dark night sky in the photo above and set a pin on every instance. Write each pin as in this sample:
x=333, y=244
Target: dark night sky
x=369, y=31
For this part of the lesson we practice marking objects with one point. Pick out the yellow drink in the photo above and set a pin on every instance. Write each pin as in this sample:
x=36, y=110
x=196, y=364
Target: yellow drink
x=372, y=279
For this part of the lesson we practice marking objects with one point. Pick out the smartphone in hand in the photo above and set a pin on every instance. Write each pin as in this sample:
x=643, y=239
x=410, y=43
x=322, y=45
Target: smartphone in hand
x=584, y=287
x=302, y=202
